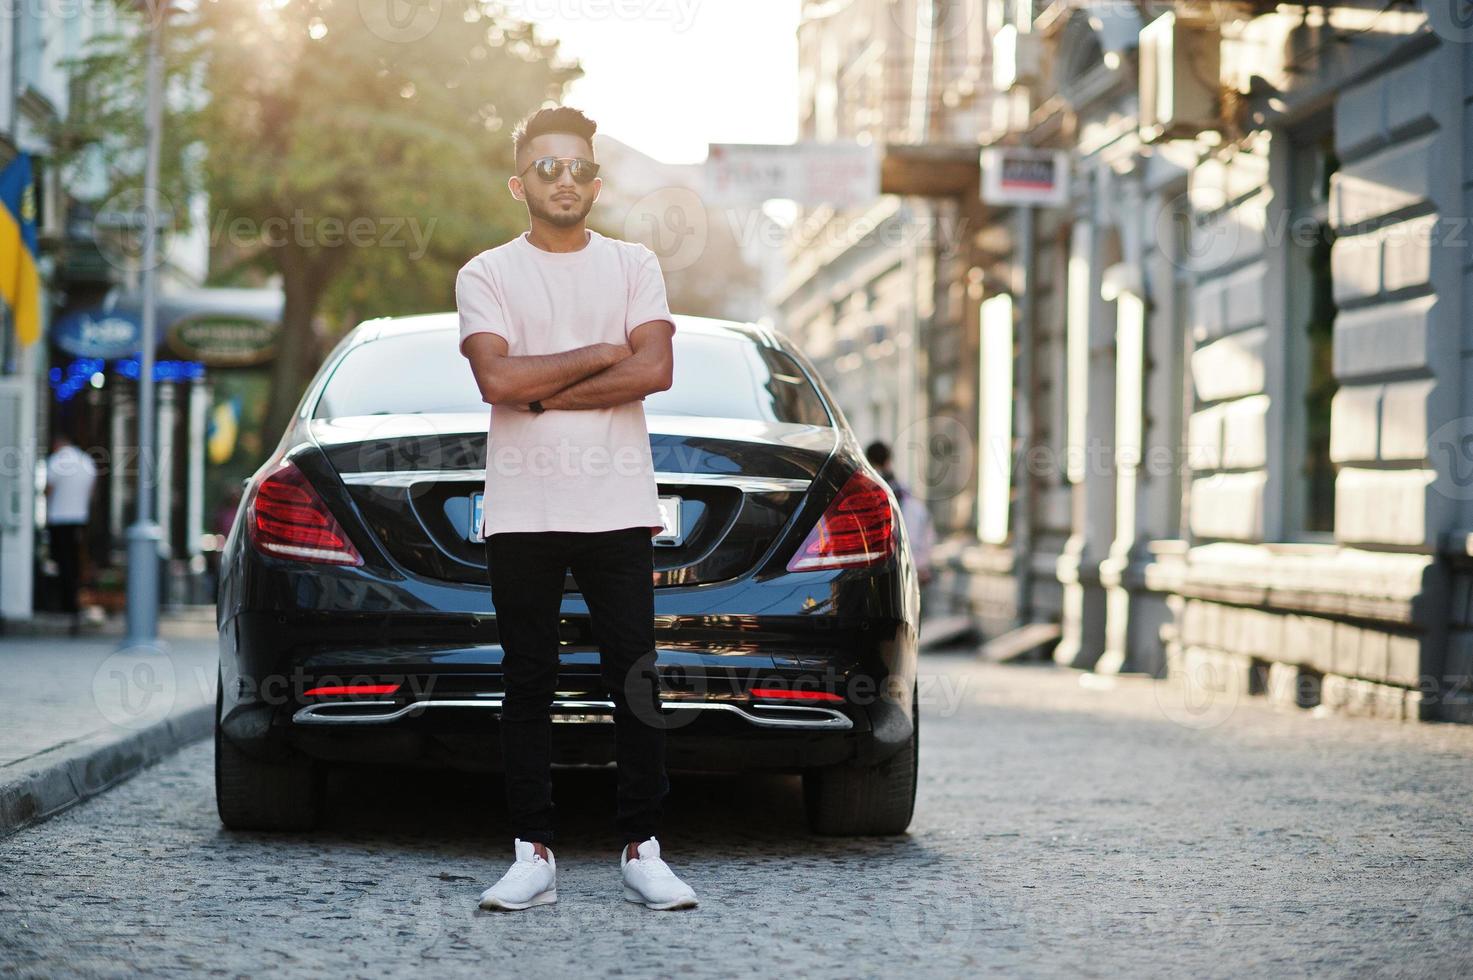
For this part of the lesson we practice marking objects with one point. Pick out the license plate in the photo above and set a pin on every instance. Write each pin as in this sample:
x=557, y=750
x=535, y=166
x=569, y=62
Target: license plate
x=478, y=510
x=671, y=534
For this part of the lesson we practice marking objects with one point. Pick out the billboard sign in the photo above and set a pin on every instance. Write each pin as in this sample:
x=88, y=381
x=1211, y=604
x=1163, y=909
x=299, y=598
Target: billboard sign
x=841, y=175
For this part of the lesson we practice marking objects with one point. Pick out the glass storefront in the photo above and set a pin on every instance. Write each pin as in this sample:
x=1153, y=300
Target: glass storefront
x=212, y=374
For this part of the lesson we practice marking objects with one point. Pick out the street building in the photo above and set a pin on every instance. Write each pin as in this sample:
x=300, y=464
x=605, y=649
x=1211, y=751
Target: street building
x=1178, y=328
x=34, y=43
x=79, y=371
x=718, y=263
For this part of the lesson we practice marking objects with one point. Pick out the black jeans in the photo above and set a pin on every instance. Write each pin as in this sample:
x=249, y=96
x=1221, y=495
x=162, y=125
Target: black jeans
x=66, y=548
x=615, y=574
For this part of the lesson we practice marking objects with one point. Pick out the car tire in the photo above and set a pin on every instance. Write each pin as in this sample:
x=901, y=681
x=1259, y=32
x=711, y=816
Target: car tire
x=254, y=795
x=853, y=800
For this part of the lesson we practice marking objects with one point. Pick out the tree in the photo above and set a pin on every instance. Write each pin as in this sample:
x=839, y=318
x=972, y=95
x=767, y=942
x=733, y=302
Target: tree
x=359, y=155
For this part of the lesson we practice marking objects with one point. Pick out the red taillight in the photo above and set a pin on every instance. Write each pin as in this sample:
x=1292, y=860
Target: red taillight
x=353, y=689
x=857, y=529
x=783, y=694
x=288, y=519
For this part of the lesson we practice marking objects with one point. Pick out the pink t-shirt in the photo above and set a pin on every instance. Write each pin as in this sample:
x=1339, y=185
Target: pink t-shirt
x=565, y=470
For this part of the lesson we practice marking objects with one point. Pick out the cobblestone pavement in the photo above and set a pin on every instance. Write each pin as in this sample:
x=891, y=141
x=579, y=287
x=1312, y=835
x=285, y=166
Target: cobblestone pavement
x=1066, y=825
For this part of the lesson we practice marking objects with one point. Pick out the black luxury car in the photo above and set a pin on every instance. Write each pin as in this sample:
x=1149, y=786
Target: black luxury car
x=355, y=613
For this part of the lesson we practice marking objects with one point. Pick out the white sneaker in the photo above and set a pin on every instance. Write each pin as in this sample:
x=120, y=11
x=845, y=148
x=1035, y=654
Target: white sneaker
x=531, y=880
x=650, y=882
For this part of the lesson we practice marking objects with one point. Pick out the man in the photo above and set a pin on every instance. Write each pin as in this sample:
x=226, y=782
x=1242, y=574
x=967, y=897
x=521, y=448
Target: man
x=70, y=475
x=566, y=331
x=912, y=511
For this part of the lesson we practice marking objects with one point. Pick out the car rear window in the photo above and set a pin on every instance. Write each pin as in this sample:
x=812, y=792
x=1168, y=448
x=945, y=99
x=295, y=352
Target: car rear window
x=424, y=373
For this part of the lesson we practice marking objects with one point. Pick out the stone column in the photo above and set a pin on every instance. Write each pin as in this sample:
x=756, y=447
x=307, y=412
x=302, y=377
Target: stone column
x=194, y=507
x=1123, y=286
x=165, y=489
x=1148, y=413
x=1091, y=395
x=121, y=429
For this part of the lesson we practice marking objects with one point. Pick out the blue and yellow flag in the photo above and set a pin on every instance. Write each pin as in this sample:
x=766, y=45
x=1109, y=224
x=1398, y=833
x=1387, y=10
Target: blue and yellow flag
x=20, y=279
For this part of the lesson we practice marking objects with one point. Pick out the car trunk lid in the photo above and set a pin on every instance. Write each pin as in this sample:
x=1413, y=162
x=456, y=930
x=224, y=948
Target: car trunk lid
x=739, y=482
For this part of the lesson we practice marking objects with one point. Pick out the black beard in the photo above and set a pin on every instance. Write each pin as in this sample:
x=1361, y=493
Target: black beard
x=558, y=219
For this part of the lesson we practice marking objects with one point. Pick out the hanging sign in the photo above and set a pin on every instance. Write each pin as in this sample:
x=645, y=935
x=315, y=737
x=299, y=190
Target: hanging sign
x=94, y=333
x=1022, y=175
x=225, y=341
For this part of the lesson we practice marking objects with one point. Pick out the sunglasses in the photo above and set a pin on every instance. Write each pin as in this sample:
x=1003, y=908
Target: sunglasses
x=551, y=168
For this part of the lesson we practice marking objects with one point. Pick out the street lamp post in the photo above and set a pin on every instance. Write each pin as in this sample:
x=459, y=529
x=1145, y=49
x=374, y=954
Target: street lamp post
x=144, y=535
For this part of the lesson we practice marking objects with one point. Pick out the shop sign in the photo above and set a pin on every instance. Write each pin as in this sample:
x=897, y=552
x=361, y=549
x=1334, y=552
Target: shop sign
x=1020, y=175
x=93, y=333
x=225, y=341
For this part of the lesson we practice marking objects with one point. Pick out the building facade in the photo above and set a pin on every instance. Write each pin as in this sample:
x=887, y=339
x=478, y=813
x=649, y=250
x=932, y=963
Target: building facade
x=870, y=290
x=35, y=41
x=721, y=263
x=1215, y=392
x=81, y=374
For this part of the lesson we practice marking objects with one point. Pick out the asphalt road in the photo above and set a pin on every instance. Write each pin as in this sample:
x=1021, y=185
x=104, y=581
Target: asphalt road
x=1063, y=827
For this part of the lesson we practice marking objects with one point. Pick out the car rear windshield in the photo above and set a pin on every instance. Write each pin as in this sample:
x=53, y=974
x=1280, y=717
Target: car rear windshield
x=721, y=377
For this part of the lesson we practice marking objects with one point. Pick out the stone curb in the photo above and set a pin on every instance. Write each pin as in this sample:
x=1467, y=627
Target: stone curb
x=184, y=621
x=62, y=777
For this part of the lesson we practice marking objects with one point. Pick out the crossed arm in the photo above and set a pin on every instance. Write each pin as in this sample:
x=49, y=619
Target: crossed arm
x=596, y=376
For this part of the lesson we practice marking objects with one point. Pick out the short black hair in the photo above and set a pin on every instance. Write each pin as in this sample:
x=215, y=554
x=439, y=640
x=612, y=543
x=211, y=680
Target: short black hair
x=553, y=119
x=878, y=454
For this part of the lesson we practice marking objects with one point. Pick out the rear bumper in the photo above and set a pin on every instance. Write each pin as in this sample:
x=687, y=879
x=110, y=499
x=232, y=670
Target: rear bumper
x=713, y=736
x=284, y=630
x=333, y=712
x=465, y=733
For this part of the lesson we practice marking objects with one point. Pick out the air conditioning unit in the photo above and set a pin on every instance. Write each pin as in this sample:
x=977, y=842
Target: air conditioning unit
x=1180, y=75
x=1017, y=58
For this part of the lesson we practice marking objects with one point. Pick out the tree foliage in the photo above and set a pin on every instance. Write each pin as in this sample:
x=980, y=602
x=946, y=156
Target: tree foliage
x=358, y=148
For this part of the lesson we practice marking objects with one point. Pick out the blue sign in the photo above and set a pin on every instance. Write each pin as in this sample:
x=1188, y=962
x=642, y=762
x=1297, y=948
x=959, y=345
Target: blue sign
x=94, y=333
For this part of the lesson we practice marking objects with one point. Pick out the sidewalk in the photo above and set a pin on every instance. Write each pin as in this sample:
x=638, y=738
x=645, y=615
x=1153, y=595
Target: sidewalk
x=79, y=715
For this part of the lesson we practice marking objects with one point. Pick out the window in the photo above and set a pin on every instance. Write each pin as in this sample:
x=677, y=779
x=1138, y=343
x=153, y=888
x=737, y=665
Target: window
x=715, y=376
x=30, y=45
x=995, y=448
x=1310, y=476
x=726, y=377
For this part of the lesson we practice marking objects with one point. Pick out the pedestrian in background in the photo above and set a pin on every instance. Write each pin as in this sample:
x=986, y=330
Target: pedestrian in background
x=70, y=476
x=913, y=511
